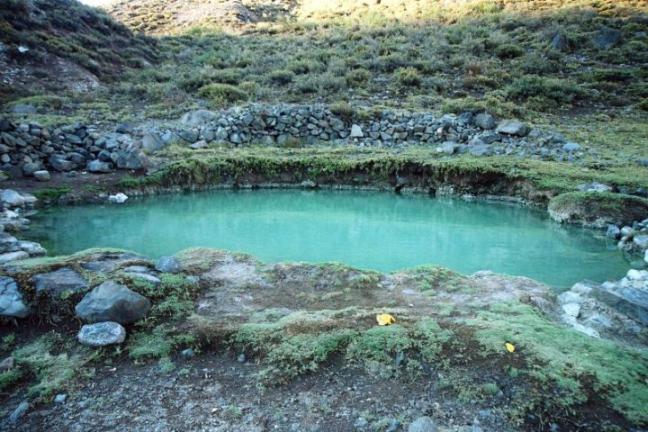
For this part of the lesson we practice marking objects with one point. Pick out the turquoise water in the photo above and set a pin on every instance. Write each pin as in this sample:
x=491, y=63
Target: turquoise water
x=371, y=230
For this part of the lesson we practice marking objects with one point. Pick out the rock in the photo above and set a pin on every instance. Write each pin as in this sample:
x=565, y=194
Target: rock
x=20, y=411
x=613, y=232
x=560, y=42
x=145, y=277
x=480, y=150
x=641, y=241
x=12, y=256
x=11, y=299
x=151, y=143
x=484, y=121
x=594, y=187
x=8, y=243
x=60, y=398
x=198, y=118
x=308, y=184
x=571, y=309
x=188, y=353
x=168, y=264
x=112, y=301
x=23, y=108
x=512, y=127
x=102, y=334
x=606, y=38
x=448, y=147
x=97, y=166
x=637, y=275
x=133, y=160
x=53, y=284
x=11, y=198
x=118, y=198
x=60, y=163
x=42, y=175
x=356, y=131
x=32, y=248
x=422, y=424
x=30, y=168
x=571, y=147
x=199, y=145
x=7, y=364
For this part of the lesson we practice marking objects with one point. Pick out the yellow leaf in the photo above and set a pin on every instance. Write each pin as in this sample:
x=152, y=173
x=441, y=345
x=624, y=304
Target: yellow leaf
x=385, y=319
x=510, y=347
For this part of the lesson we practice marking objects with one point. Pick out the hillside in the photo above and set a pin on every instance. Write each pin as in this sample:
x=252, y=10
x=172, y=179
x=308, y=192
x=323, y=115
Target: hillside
x=61, y=44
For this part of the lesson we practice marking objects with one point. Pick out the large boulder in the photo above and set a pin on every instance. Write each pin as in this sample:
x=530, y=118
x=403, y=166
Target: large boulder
x=198, y=117
x=112, y=301
x=102, y=334
x=11, y=299
x=151, y=142
x=484, y=121
x=53, y=284
x=11, y=198
x=131, y=159
x=12, y=256
x=606, y=38
x=97, y=166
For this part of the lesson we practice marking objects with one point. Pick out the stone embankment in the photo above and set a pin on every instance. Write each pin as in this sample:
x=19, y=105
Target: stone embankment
x=29, y=149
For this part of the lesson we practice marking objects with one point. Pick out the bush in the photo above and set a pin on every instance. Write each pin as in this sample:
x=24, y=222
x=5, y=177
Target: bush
x=534, y=86
x=408, y=77
x=508, y=51
x=221, y=94
x=357, y=77
x=281, y=77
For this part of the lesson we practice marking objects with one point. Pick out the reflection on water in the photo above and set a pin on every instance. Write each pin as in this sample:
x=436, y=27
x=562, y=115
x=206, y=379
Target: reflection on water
x=372, y=230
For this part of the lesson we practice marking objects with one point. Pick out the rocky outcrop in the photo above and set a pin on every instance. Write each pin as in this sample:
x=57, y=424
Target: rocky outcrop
x=597, y=209
x=112, y=301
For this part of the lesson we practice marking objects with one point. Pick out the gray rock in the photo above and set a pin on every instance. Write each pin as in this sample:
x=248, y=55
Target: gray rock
x=12, y=256
x=168, y=264
x=480, y=150
x=198, y=118
x=32, y=248
x=112, y=301
x=11, y=299
x=512, y=127
x=60, y=163
x=613, y=232
x=20, y=411
x=60, y=398
x=151, y=143
x=560, y=42
x=8, y=243
x=356, y=131
x=199, y=145
x=7, y=364
x=594, y=187
x=102, y=334
x=42, y=175
x=188, y=353
x=145, y=277
x=422, y=424
x=485, y=121
x=97, y=166
x=132, y=159
x=641, y=241
x=448, y=147
x=606, y=38
x=30, y=168
x=11, y=198
x=55, y=283
x=571, y=147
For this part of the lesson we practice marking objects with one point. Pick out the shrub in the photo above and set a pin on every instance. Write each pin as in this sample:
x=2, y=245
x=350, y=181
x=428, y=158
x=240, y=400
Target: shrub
x=534, y=86
x=281, y=77
x=343, y=110
x=408, y=77
x=357, y=77
x=222, y=93
x=301, y=67
x=508, y=51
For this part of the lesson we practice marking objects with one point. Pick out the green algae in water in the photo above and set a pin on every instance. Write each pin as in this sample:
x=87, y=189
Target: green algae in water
x=370, y=230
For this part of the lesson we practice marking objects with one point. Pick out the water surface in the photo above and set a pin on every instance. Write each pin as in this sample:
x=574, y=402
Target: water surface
x=371, y=230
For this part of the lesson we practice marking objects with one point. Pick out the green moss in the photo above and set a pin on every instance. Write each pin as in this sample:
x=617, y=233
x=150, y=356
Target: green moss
x=567, y=359
x=52, y=194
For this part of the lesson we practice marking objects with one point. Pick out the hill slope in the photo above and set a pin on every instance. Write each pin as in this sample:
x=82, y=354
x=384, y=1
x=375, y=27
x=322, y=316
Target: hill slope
x=63, y=44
